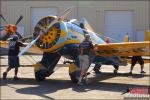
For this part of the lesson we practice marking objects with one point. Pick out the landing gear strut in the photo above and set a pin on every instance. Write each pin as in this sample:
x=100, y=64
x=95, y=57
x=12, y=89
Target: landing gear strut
x=116, y=69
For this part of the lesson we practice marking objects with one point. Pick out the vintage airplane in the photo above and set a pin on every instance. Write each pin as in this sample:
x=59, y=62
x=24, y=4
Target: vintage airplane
x=56, y=38
x=9, y=29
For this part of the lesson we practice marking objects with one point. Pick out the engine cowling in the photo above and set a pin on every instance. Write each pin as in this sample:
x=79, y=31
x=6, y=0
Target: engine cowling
x=49, y=39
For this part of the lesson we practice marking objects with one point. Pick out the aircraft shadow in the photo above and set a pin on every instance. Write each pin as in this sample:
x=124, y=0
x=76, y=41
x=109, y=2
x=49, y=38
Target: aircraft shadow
x=97, y=83
x=39, y=88
x=4, y=52
x=52, y=85
x=106, y=74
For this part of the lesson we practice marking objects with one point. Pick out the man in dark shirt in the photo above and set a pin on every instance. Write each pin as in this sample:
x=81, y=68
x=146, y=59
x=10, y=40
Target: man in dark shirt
x=13, y=59
x=84, y=61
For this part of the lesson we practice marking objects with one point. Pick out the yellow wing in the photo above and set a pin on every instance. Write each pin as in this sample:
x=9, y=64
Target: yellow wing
x=124, y=49
x=33, y=49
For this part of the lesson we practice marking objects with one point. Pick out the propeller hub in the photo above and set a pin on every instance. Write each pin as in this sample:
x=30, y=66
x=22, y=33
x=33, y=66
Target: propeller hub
x=10, y=29
x=49, y=39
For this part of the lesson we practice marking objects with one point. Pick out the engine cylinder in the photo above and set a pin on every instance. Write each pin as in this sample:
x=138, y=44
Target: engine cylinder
x=49, y=39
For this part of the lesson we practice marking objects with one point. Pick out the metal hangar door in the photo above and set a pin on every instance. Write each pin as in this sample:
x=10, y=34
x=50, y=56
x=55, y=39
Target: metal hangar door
x=39, y=12
x=118, y=24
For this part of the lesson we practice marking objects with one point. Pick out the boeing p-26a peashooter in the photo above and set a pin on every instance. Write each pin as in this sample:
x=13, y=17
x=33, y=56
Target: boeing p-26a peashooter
x=9, y=29
x=56, y=38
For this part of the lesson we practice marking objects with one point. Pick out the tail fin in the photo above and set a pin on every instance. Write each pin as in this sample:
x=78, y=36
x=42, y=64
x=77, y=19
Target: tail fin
x=87, y=25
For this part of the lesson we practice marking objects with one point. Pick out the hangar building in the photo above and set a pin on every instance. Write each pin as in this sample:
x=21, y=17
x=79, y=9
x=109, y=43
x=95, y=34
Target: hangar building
x=113, y=18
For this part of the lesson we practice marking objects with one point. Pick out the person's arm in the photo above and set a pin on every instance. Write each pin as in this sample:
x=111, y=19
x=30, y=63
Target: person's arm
x=20, y=37
x=21, y=44
x=92, y=48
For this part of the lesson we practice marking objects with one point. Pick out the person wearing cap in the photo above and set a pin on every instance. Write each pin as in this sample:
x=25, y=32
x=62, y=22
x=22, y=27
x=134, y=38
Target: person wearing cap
x=13, y=59
x=84, y=61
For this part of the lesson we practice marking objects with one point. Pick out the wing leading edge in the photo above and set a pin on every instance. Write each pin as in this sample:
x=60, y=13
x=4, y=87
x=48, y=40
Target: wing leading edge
x=123, y=49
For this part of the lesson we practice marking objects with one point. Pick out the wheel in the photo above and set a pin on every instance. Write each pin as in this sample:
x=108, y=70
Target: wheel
x=73, y=78
x=115, y=71
x=40, y=75
x=74, y=72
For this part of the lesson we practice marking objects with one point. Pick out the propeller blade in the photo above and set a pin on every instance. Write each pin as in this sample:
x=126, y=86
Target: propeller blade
x=19, y=35
x=52, y=23
x=32, y=42
x=20, y=18
x=63, y=16
x=28, y=46
x=2, y=28
x=3, y=18
x=60, y=18
x=26, y=38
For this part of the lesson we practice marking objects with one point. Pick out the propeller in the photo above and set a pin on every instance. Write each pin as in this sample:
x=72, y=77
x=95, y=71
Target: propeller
x=42, y=32
x=20, y=18
x=26, y=38
x=10, y=28
x=3, y=18
x=62, y=17
x=28, y=46
x=19, y=35
x=2, y=28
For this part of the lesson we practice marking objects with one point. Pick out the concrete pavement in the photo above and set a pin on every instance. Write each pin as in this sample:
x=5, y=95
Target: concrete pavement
x=59, y=86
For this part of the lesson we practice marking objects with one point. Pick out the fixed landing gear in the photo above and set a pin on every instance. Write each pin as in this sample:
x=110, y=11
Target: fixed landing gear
x=98, y=66
x=116, y=69
x=73, y=78
x=74, y=72
x=40, y=75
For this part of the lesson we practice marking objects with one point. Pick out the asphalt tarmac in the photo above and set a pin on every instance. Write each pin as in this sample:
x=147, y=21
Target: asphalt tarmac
x=59, y=86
